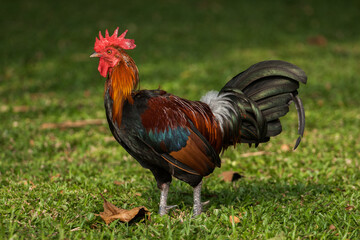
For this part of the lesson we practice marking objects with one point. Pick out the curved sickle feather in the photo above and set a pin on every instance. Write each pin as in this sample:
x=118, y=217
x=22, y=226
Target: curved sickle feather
x=301, y=118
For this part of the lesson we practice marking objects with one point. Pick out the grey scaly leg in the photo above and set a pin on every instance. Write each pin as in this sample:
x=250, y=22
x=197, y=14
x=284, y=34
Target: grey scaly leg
x=164, y=208
x=197, y=200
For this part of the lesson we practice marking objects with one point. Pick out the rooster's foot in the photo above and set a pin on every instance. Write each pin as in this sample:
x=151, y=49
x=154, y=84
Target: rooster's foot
x=165, y=209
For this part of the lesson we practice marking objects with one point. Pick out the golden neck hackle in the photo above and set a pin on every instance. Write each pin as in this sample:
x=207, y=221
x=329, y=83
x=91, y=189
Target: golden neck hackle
x=123, y=79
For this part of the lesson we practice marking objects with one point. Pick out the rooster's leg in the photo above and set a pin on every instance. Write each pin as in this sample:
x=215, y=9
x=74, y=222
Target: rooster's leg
x=197, y=200
x=164, y=208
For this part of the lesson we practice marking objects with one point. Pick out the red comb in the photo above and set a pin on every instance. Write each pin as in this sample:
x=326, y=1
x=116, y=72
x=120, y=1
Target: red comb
x=114, y=40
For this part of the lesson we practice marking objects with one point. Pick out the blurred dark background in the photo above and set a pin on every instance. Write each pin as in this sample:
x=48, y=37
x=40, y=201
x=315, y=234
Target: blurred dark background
x=172, y=34
x=185, y=47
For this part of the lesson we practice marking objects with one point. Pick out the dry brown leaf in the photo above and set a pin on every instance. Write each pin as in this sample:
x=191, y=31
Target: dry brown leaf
x=4, y=108
x=340, y=190
x=118, y=182
x=19, y=109
x=252, y=154
x=23, y=182
x=230, y=176
x=87, y=93
x=318, y=40
x=320, y=102
x=349, y=208
x=112, y=213
x=33, y=186
x=285, y=148
x=75, y=124
x=16, y=109
x=234, y=219
x=94, y=226
x=55, y=177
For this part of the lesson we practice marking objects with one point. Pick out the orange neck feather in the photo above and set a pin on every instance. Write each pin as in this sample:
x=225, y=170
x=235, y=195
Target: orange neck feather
x=123, y=79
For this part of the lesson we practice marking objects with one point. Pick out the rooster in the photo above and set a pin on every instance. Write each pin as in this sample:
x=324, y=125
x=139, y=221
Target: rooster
x=172, y=136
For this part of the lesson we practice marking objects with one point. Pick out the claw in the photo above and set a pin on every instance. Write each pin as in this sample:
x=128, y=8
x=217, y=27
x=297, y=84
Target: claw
x=171, y=207
x=165, y=209
x=205, y=203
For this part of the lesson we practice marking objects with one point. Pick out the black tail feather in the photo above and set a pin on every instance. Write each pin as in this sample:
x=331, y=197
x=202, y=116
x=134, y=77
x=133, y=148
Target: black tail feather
x=301, y=118
x=261, y=95
x=267, y=69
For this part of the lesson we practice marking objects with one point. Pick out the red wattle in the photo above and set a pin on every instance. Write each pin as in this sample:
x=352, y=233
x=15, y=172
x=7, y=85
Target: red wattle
x=103, y=67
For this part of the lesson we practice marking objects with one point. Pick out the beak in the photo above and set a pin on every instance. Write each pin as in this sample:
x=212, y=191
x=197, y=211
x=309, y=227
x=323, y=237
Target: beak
x=95, y=54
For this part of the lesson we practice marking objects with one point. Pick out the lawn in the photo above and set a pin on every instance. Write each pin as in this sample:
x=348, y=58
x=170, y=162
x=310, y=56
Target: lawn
x=51, y=175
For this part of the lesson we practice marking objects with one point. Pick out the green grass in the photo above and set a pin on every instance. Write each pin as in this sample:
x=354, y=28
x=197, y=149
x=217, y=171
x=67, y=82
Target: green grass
x=50, y=180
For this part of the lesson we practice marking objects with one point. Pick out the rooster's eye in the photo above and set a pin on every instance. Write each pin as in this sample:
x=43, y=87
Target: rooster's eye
x=108, y=51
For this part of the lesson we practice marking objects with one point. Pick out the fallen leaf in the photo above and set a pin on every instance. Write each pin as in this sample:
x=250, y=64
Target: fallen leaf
x=4, y=108
x=19, y=109
x=230, y=176
x=320, y=102
x=349, y=208
x=138, y=194
x=285, y=148
x=318, y=40
x=87, y=93
x=55, y=177
x=340, y=190
x=93, y=226
x=16, y=109
x=118, y=182
x=73, y=124
x=112, y=213
x=332, y=227
x=23, y=182
x=234, y=219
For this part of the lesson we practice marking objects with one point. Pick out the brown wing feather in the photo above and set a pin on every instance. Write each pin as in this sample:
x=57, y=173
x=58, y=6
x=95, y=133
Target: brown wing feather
x=198, y=155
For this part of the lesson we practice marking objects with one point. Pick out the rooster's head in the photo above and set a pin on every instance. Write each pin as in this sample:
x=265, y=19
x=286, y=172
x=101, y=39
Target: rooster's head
x=109, y=50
